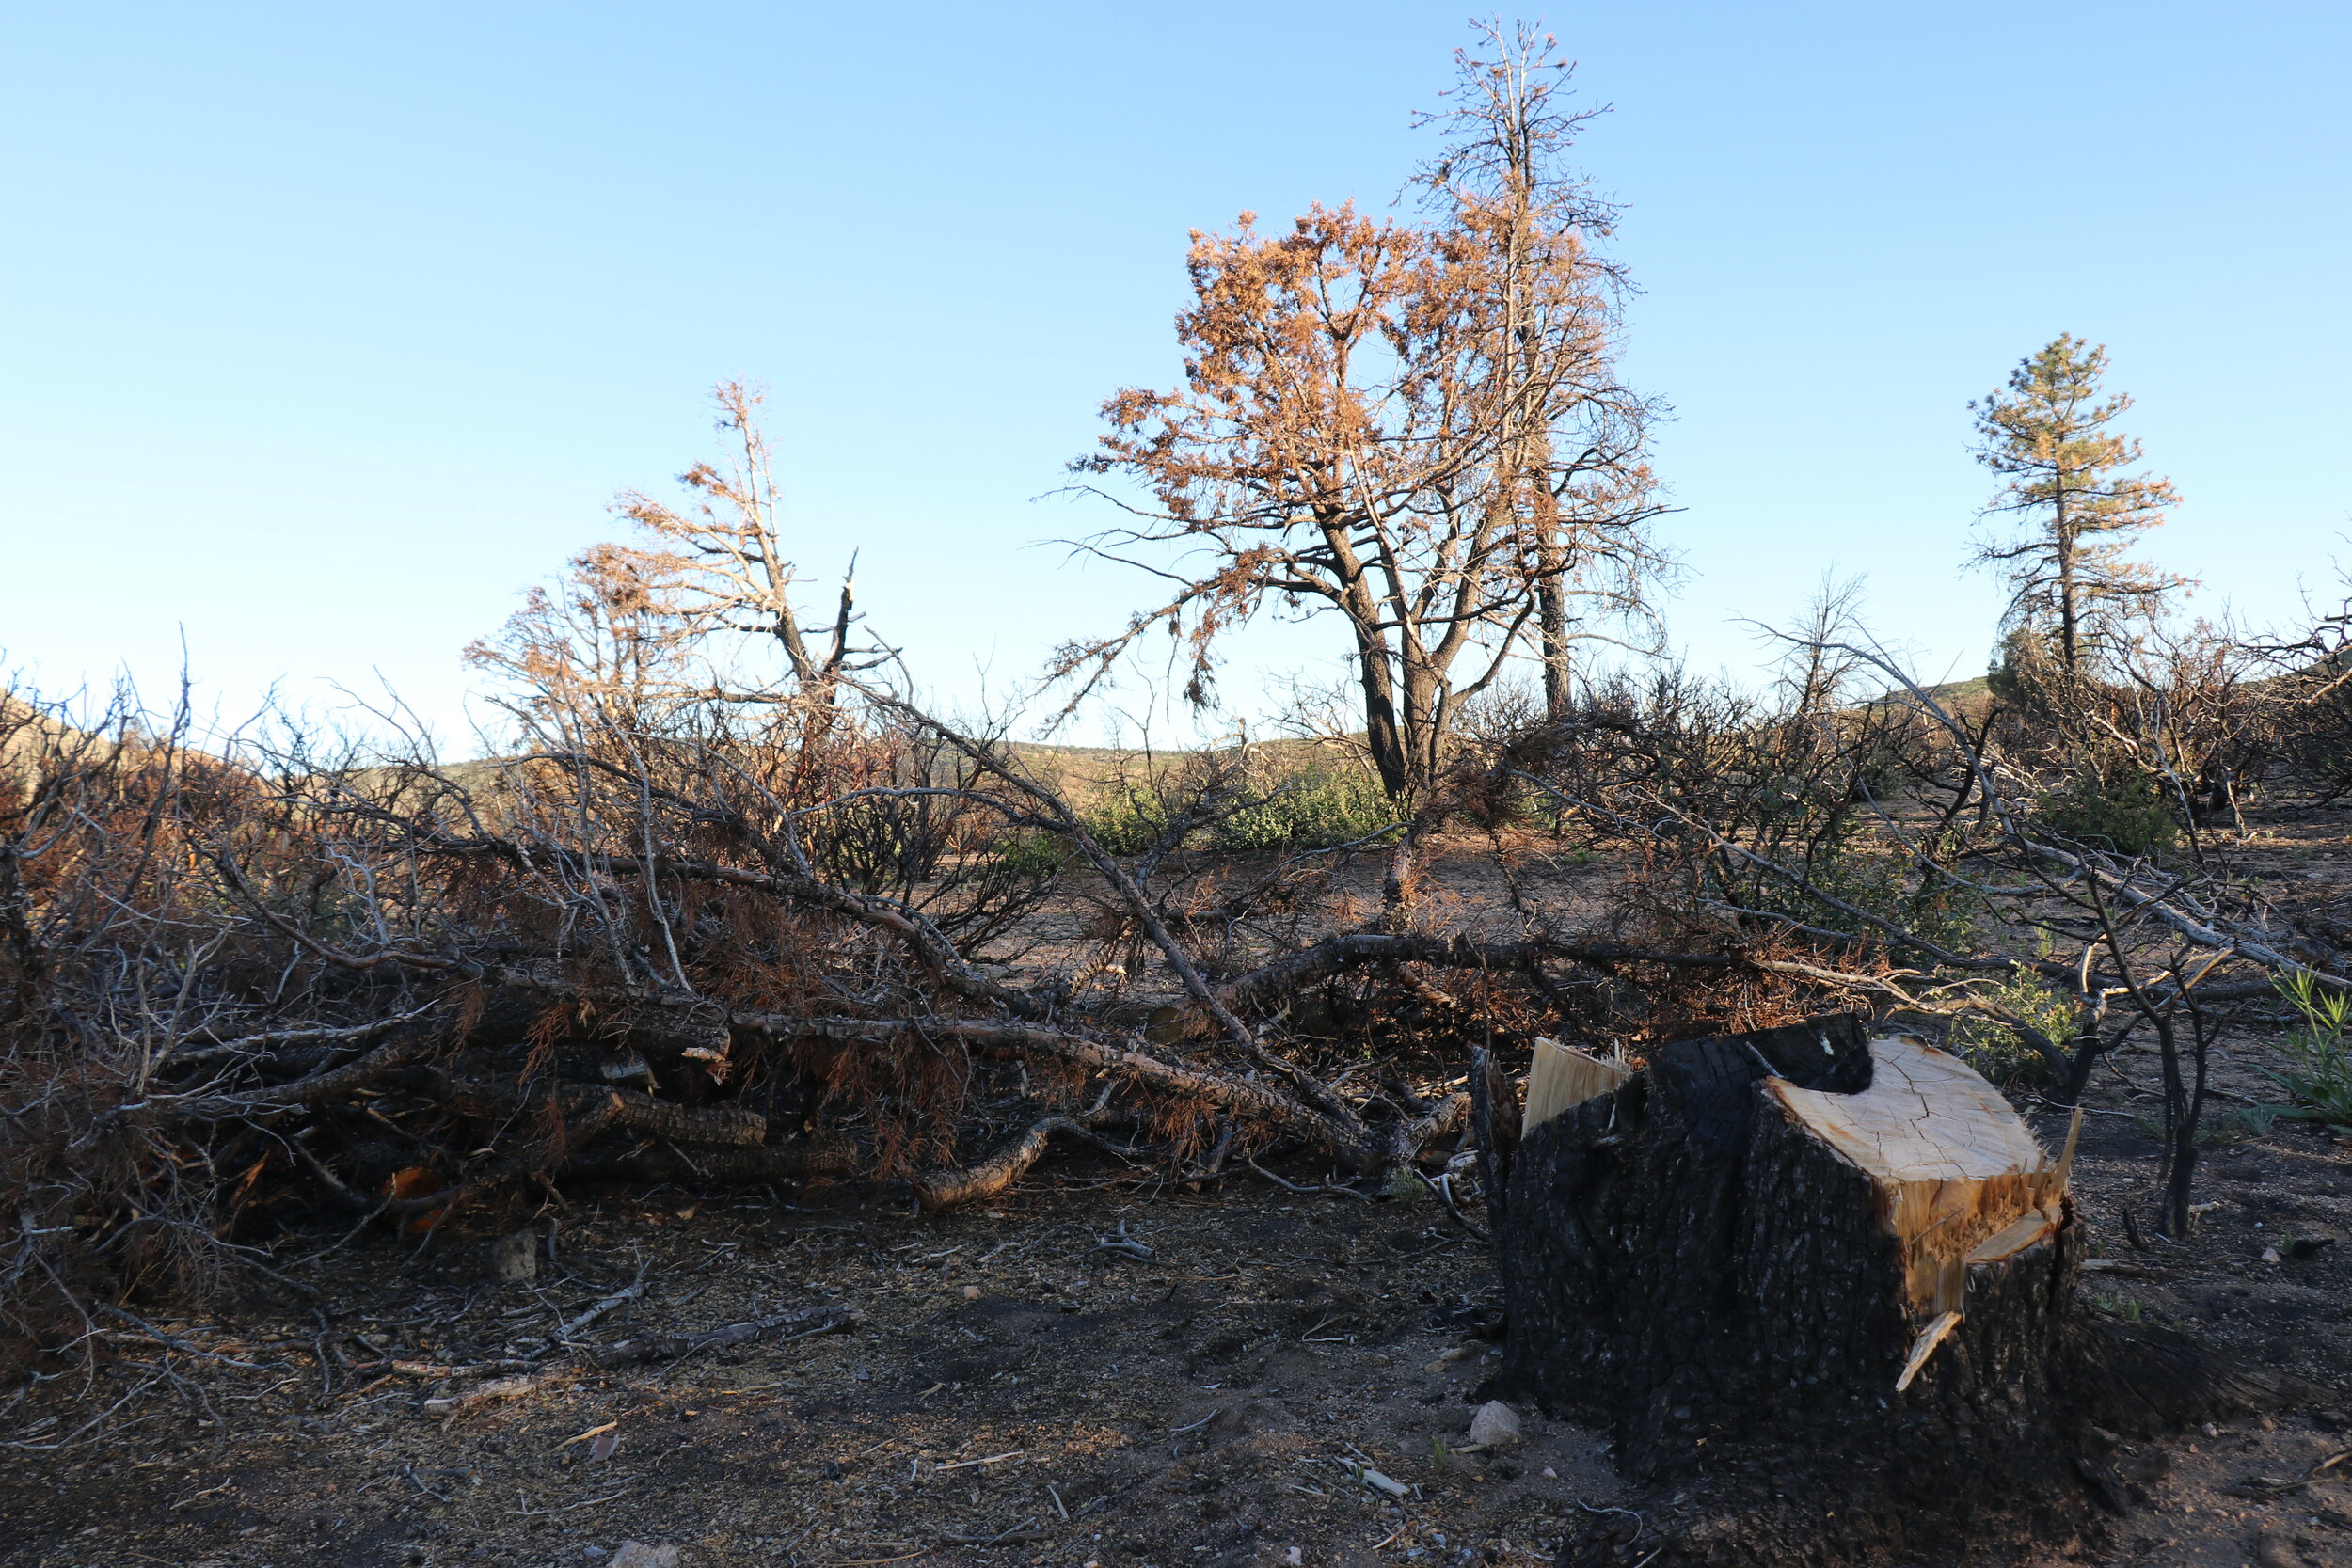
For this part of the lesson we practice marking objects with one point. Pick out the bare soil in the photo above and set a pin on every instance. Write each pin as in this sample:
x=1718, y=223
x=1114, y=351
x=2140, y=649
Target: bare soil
x=1017, y=1393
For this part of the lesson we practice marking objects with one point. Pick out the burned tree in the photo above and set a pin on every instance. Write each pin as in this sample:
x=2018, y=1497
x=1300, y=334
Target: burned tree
x=1820, y=1268
x=1417, y=428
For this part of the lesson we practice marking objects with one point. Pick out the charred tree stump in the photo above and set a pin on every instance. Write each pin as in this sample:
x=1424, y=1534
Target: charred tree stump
x=1822, y=1287
x=1495, y=1126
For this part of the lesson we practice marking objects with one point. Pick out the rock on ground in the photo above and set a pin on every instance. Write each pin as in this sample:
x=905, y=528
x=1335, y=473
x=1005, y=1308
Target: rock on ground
x=636, y=1553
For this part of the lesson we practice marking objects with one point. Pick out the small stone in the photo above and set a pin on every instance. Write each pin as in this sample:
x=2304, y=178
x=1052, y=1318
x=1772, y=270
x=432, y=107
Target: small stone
x=2270, y=1255
x=636, y=1553
x=971, y=1292
x=1494, y=1426
x=1551, y=1473
x=515, y=1259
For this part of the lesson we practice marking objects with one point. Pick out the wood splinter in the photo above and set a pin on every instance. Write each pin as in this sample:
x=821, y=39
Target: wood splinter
x=1561, y=1078
x=1922, y=1347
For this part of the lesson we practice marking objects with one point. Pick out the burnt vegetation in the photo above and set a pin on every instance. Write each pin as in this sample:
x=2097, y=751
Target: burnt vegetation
x=259, y=994
x=733, y=906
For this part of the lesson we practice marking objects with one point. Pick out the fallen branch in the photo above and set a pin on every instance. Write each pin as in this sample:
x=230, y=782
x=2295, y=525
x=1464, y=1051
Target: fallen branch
x=1272, y=982
x=718, y=1125
x=1366, y=1149
x=172, y=1342
x=433, y=1371
x=667, y=1347
x=1444, y=1187
x=792, y=1162
x=630, y=1292
x=977, y=1183
x=1334, y=1189
x=451, y=1406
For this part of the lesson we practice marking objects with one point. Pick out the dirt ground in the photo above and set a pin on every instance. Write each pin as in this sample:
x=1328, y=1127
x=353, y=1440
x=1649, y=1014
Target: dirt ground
x=1213, y=1405
x=1015, y=1391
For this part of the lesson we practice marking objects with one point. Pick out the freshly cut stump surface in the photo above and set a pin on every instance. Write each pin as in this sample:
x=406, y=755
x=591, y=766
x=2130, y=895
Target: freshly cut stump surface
x=1961, y=1180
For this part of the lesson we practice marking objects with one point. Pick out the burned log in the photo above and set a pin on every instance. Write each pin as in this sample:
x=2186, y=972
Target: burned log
x=1826, y=1284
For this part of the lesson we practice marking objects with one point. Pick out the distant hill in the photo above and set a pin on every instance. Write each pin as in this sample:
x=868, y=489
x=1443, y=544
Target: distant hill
x=1084, y=770
x=1968, y=696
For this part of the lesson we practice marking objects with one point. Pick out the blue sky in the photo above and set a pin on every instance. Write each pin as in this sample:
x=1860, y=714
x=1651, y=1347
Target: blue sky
x=330, y=328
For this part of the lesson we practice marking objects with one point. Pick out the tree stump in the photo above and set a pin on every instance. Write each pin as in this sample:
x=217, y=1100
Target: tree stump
x=1825, y=1286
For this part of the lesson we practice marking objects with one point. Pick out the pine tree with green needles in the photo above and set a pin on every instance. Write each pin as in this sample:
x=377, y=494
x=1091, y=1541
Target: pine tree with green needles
x=2076, y=511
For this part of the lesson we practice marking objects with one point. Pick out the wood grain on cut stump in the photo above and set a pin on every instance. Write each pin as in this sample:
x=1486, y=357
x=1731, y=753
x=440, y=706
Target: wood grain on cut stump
x=1960, y=1177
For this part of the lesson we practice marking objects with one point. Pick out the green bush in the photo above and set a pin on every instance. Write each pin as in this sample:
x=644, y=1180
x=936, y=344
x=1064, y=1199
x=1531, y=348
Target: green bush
x=1879, y=776
x=1128, y=825
x=2321, y=1078
x=1311, y=809
x=1035, y=854
x=2243, y=1123
x=2117, y=807
x=1407, y=1187
x=1871, y=882
x=1314, y=808
x=1996, y=1048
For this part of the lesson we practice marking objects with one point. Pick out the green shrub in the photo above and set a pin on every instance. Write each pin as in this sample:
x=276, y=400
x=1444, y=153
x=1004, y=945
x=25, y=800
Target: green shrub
x=1879, y=776
x=1129, y=824
x=1997, y=1049
x=1313, y=808
x=2116, y=807
x=1406, y=1186
x=1035, y=854
x=1874, y=884
x=2243, y=1123
x=2321, y=1078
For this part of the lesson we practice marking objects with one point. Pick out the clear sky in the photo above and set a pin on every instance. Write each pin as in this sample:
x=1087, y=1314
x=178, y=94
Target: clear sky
x=328, y=328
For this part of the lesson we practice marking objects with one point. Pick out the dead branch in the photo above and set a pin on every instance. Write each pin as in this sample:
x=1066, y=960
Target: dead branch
x=671, y=1347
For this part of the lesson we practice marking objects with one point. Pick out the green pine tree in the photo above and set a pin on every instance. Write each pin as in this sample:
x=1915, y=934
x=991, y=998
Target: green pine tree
x=2075, y=508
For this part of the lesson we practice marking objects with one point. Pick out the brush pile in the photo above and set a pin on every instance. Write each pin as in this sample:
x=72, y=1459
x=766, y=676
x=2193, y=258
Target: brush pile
x=253, y=993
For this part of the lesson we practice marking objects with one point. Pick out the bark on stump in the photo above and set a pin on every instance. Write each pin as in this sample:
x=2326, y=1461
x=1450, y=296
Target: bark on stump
x=1824, y=1288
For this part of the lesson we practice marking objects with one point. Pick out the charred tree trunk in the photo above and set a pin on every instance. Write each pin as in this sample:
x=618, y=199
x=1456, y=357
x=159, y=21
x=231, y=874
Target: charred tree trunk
x=1495, y=1126
x=1824, y=1285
